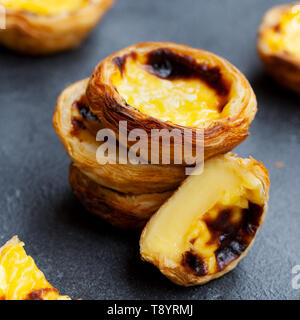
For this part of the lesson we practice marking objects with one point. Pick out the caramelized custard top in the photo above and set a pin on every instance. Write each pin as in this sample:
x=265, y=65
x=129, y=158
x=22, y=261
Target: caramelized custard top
x=172, y=87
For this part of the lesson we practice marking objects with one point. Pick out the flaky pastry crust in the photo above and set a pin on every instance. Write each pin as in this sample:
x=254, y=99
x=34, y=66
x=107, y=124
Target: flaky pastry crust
x=177, y=272
x=36, y=34
x=119, y=209
x=81, y=145
x=283, y=66
x=220, y=135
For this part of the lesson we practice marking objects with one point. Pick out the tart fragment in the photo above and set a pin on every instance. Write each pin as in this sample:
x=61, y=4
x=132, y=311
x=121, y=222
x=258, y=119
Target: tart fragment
x=20, y=279
x=39, y=27
x=279, y=44
x=122, y=210
x=170, y=86
x=209, y=223
x=77, y=128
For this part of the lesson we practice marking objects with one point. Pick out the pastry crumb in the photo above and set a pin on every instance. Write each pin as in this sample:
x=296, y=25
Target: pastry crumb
x=279, y=164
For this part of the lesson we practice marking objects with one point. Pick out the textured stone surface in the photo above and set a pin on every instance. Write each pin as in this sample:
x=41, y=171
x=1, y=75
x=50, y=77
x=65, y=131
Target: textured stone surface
x=81, y=255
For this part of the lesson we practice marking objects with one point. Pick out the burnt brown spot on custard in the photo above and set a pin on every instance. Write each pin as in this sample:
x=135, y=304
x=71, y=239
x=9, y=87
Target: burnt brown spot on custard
x=169, y=65
x=77, y=125
x=120, y=61
x=192, y=241
x=277, y=28
x=233, y=237
x=252, y=218
x=84, y=118
x=82, y=106
x=2, y=298
x=194, y=263
x=231, y=247
x=39, y=294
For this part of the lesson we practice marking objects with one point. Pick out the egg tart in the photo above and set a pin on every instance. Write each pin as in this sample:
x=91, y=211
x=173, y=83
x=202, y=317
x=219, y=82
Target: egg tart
x=279, y=44
x=209, y=223
x=126, y=211
x=77, y=128
x=39, y=27
x=20, y=279
x=155, y=86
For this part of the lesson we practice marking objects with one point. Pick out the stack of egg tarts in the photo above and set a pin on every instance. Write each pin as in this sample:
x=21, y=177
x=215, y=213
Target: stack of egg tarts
x=202, y=225
x=125, y=195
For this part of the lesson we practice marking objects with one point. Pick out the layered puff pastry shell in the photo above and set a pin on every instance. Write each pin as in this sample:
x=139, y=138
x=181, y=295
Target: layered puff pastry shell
x=170, y=86
x=279, y=44
x=126, y=211
x=208, y=225
x=38, y=27
x=125, y=195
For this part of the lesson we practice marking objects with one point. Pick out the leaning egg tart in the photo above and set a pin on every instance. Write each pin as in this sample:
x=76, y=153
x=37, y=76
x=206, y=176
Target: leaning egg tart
x=209, y=223
x=77, y=128
x=171, y=86
x=279, y=44
x=20, y=279
x=41, y=27
x=126, y=211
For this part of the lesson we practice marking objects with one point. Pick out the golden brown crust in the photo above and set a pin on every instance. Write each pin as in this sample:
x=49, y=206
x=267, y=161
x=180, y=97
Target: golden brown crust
x=82, y=147
x=119, y=209
x=177, y=272
x=282, y=66
x=220, y=135
x=36, y=34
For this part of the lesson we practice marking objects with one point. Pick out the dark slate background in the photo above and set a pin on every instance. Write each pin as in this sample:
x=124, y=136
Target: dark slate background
x=80, y=254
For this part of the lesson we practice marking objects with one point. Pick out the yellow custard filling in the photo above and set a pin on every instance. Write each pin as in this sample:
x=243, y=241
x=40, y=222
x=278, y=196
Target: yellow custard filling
x=287, y=35
x=187, y=102
x=20, y=279
x=203, y=208
x=45, y=7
